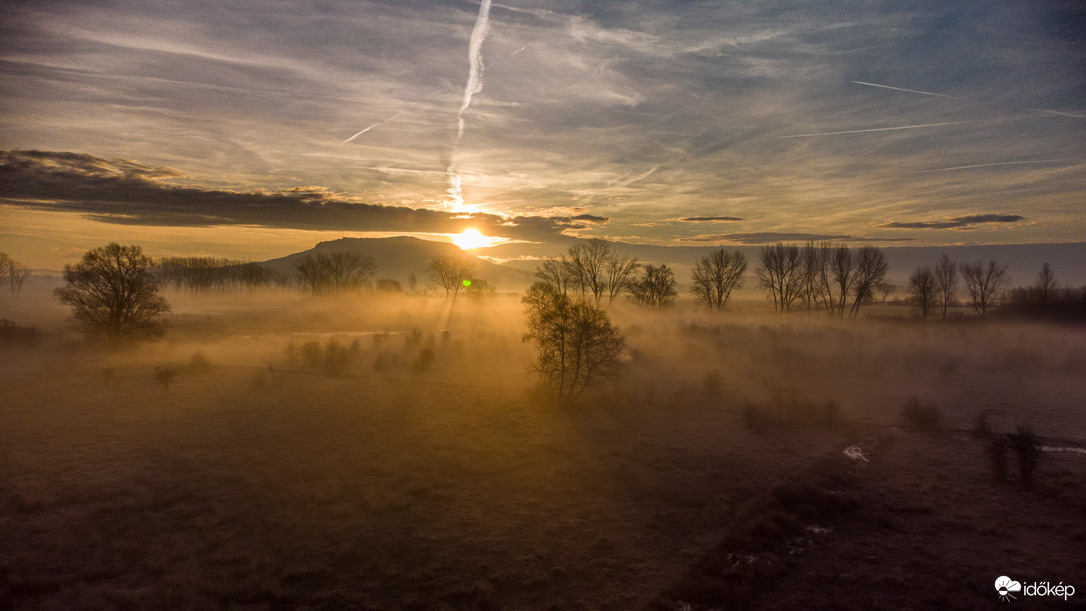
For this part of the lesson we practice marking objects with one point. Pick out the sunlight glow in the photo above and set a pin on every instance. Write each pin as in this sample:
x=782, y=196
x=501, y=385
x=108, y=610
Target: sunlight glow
x=471, y=238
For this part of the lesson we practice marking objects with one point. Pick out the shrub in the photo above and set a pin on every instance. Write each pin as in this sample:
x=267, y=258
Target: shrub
x=921, y=417
x=981, y=428
x=199, y=363
x=164, y=375
x=312, y=353
x=336, y=358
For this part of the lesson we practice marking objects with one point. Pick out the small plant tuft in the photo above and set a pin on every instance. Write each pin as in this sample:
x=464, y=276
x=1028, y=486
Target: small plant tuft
x=165, y=375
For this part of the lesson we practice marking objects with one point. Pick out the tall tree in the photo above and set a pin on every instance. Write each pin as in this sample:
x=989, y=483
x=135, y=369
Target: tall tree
x=655, y=288
x=924, y=289
x=716, y=275
x=984, y=283
x=779, y=272
x=1046, y=284
x=114, y=294
x=870, y=277
x=946, y=283
x=451, y=273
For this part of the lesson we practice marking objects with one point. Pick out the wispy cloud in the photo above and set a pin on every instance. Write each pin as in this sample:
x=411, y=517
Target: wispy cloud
x=710, y=219
x=960, y=222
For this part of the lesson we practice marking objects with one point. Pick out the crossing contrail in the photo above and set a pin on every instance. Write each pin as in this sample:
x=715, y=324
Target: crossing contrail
x=368, y=129
x=473, y=86
x=989, y=165
x=878, y=129
x=938, y=95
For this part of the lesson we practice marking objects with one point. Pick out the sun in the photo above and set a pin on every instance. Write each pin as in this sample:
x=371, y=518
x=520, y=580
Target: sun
x=471, y=238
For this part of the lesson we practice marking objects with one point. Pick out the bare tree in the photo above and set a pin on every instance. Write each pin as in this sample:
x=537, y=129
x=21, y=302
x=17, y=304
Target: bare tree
x=715, y=276
x=335, y=272
x=556, y=273
x=585, y=267
x=451, y=273
x=946, y=283
x=114, y=293
x=6, y=264
x=619, y=271
x=924, y=289
x=17, y=274
x=578, y=345
x=843, y=271
x=984, y=283
x=1046, y=284
x=779, y=272
x=870, y=278
x=655, y=288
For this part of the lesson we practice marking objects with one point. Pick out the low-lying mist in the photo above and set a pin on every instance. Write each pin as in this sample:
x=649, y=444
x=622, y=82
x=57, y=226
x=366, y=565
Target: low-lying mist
x=394, y=450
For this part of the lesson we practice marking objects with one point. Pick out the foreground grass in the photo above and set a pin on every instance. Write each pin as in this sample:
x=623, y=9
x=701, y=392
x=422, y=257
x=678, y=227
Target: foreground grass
x=390, y=481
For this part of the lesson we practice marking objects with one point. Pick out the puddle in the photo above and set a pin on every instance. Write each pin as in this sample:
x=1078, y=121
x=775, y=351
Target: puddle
x=1063, y=449
x=855, y=453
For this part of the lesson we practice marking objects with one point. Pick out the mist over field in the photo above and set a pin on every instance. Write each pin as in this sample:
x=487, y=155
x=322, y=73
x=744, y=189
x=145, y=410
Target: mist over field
x=397, y=450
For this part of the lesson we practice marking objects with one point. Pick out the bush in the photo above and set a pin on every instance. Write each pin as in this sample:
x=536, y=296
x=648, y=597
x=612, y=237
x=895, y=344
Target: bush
x=424, y=361
x=164, y=375
x=981, y=428
x=921, y=417
x=199, y=363
x=312, y=353
x=336, y=358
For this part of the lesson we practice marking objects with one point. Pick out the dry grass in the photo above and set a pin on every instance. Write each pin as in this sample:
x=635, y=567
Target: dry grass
x=423, y=471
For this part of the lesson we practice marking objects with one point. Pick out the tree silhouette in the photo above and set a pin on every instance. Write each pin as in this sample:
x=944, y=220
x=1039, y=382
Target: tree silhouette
x=715, y=276
x=578, y=346
x=336, y=272
x=114, y=294
x=779, y=272
x=923, y=287
x=451, y=273
x=871, y=268
x=1046, y=284
x=946, y=283
x=655, y=288
x=984, y=282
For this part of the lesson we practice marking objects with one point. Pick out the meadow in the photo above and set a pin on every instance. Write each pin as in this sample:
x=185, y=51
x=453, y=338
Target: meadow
x=392, y=452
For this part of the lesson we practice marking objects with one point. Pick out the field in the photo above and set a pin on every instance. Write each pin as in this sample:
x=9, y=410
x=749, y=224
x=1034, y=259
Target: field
x=390, y=453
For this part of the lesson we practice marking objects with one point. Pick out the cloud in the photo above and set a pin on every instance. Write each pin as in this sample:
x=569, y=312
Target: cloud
x=710, y=219
x=960, y=222
x=590, y=218
x=770, y=237
x=129, y=193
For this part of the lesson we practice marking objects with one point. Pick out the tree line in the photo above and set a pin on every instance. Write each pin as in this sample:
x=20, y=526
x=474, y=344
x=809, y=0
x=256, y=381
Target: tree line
x=209, y=274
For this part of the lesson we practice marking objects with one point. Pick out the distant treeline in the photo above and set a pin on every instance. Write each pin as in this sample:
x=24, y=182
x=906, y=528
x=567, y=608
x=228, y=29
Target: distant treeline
x=208, y=274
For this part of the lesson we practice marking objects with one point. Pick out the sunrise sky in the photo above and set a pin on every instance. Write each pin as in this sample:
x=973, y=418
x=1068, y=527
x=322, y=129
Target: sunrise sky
x=252, y=130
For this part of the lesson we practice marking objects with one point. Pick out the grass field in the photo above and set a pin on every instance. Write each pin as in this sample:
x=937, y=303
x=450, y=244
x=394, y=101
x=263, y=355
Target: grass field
x=420, y=467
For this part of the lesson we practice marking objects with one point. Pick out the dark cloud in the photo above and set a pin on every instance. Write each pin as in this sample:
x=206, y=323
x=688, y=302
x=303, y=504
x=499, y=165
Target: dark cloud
x=771, y=237
x=710, y=219
x=959, y=222
x=590, y=218
x=129, y=193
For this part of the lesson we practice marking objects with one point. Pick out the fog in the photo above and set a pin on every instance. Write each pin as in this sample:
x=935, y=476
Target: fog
x=395, y=450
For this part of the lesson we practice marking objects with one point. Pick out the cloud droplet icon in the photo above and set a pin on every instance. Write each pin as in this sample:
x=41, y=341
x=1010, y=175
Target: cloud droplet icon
x=1005, y=585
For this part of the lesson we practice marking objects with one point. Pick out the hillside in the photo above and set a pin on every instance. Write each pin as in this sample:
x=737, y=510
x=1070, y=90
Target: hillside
x=398, y=257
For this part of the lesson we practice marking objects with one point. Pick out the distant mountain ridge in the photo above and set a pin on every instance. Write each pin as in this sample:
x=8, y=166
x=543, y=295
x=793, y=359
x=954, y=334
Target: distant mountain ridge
x=398, y=257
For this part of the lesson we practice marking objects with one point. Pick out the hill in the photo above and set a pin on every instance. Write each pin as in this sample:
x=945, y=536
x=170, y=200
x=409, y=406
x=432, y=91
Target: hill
x=401, y=256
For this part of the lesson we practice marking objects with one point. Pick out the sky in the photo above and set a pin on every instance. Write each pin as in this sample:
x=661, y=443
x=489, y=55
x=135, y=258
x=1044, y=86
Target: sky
x=254, y=129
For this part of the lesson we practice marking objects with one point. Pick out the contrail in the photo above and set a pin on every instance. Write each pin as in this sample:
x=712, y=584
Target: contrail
x=877, y=129
x=952, y=97
x=368, y=129
x=988, y=165
x=475, y=62
x=473, y=86
x=939, y=95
